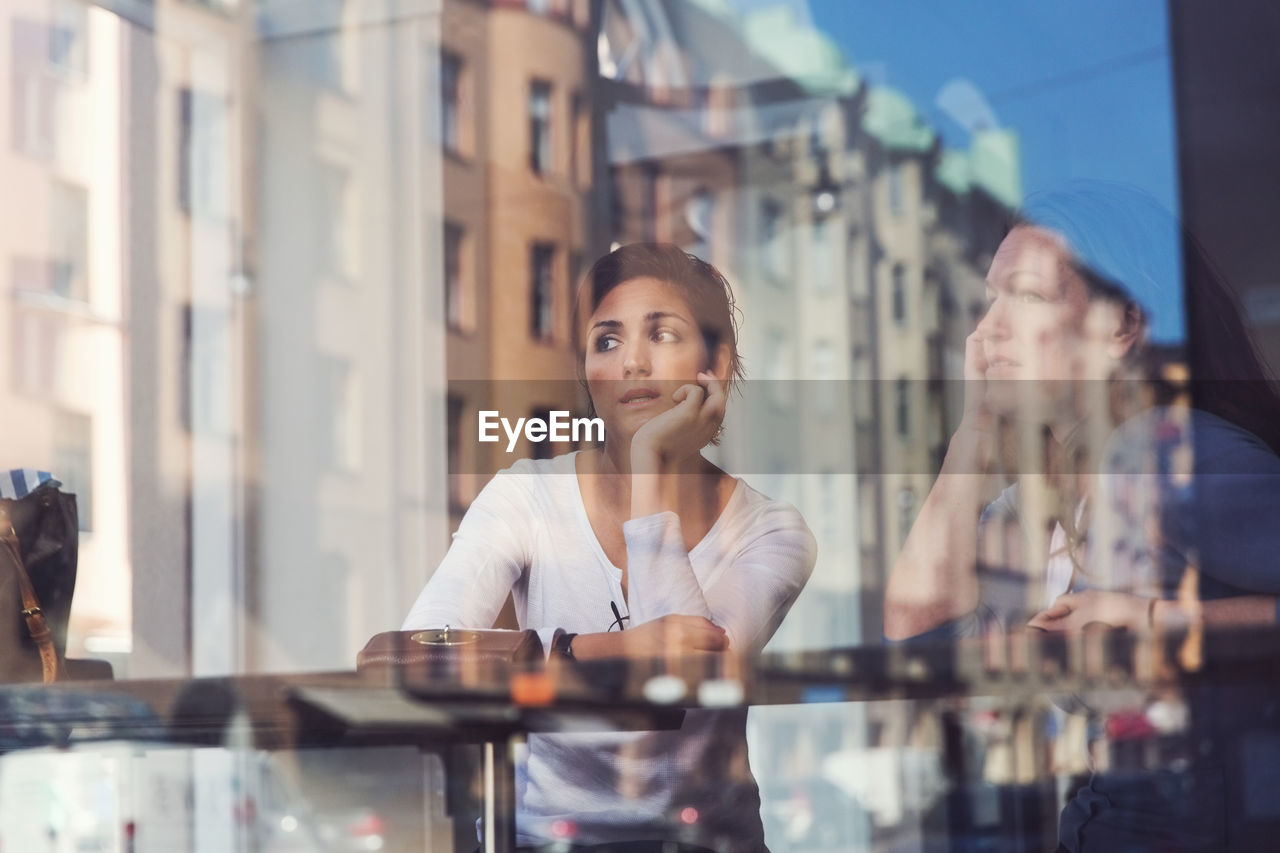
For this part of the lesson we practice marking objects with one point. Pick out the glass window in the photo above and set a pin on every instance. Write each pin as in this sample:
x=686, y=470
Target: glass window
x=541, y=292
x=897, y=192
x=823, y=266
x=454, y=282
x=69, y=36
x=899, y=295
x=73, y=461
x=699, y=215
x=902, y=406
x=263, y=265
x=454, y=411
x=451, y=102
x=69, y=226
x=772, y=239
x=204, y=154
x=540, y=127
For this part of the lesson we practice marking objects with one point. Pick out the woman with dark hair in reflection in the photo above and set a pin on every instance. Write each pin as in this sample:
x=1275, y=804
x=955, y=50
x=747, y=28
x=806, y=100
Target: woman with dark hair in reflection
x=644, y=532
x=1123, y=513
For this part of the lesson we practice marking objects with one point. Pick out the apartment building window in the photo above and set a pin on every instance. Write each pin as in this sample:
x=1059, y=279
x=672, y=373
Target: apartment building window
x=338, y=240
x=69, y=228
x=330, y=64
x=906, y=513
x=453, y=448
x=823, y=268
x=73, y=461
x=897, y=191
x=454, y=295
x=824, y=372
x=540, y=127
x=451, y=102
x=38, y=337
x=341, y=413
x=699, y=215
x=778, y=368
x=206, y=361
x=69, y=37
x=34, y=114
x=580, y=137
x=771, y=238
x=902, y=392
x=204, y=171
x=649, y=213
x=541, y=291
x=899, y=295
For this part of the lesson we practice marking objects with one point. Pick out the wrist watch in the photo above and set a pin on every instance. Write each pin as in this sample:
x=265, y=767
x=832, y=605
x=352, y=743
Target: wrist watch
x=562, y=644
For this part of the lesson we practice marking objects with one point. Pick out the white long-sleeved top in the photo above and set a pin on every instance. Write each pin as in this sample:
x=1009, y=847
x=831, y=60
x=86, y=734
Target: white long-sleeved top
x=528, y=533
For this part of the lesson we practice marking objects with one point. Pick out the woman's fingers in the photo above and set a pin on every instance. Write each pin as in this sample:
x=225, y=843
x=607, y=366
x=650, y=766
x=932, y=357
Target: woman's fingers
x=975, y=360
x=717, y=396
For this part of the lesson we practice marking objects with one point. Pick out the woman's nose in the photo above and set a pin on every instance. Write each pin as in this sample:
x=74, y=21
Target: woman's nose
x=636, y=360
x=994, y=321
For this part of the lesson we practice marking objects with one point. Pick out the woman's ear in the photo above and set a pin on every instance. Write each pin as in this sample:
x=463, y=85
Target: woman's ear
x=1128, y=334
x=720, y=363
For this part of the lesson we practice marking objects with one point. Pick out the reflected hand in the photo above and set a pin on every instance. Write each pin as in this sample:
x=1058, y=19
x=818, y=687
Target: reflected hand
x=973, y=447
x=1074, y=611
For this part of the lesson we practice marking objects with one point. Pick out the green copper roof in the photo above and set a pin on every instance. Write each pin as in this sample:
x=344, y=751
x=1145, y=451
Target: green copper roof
x=799, y=51
x=996, y=166
x=990, y=163
x=719, y=8
x=894, y=122
x=953, y=171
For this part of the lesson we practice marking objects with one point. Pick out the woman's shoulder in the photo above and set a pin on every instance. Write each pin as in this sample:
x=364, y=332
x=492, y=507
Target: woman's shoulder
x=751, y=507
x=534, y=482
x=538, y=468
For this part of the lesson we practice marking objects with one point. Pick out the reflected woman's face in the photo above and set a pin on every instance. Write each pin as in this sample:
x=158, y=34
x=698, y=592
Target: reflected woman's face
x=643, y=343
x=1040, y=323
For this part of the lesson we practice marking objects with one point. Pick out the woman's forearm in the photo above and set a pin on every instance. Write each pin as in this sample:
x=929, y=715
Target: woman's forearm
x=934, y=579
x=598, y=646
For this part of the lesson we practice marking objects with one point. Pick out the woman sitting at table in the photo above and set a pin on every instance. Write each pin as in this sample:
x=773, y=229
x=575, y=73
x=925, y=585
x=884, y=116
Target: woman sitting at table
x=644, y=531
x=1145, y=517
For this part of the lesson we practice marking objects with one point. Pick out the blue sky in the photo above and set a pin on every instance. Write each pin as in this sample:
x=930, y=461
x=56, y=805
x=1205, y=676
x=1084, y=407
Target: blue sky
x=1087, y=84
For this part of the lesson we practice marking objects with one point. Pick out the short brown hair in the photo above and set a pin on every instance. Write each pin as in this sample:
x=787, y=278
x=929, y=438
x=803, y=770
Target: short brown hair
x=707, y=291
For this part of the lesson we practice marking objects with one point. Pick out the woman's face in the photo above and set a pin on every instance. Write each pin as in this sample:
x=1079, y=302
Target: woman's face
x=643, y=343
x=1040, y=323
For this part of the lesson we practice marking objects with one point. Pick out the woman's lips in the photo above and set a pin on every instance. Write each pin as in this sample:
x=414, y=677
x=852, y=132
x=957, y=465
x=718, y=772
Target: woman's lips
x=639, y=396
x=1002, y=367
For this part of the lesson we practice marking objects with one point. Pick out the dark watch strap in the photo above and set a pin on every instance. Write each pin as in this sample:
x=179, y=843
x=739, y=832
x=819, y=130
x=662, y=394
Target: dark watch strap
x=562, y=644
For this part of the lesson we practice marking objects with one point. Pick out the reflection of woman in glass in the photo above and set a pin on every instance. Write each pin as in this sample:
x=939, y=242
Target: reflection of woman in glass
x=692, y=559
x=1127, y=504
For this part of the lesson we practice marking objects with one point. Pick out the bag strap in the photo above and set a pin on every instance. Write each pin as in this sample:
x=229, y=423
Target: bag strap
x=37, y=627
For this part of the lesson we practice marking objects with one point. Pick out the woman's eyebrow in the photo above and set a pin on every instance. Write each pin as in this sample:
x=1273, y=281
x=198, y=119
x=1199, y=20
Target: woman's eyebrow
x=663, y=315
x=607, y=324
x=1010, y=277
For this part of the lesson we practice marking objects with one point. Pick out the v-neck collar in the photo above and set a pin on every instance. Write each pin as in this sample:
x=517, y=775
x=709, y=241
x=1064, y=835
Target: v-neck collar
x=584, y=519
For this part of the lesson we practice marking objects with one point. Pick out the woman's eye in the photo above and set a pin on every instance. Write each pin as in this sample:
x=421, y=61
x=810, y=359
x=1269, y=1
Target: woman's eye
x=1030, y=297
x=606, y=343
x=665, y=336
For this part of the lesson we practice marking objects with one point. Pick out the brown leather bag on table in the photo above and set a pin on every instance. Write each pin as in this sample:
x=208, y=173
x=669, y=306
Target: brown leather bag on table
x=39, y=541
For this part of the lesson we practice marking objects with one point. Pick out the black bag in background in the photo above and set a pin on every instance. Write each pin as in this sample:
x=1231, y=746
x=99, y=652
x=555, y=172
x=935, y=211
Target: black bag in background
x=48, y=531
